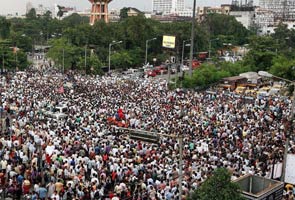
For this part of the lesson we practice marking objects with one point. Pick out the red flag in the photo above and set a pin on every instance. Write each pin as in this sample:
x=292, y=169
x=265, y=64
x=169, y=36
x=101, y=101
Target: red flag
x=48, y=158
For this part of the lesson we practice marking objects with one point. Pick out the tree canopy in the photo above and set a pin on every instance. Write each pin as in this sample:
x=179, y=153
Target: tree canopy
x=73, y=34
x=217, y=187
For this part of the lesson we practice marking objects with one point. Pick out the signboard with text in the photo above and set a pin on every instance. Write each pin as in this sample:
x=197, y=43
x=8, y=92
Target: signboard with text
x=169, y=41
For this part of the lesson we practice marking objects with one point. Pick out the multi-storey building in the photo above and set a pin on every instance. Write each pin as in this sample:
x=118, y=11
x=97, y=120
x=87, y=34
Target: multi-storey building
x=168, y=6
x=284, y=10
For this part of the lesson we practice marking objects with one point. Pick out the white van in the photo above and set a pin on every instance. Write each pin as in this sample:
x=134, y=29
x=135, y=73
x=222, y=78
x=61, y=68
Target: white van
x=58, y=116
x=61, y=109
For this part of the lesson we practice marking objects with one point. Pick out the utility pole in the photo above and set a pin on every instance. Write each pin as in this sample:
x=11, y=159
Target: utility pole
x=192, y=40
x=3, y=60
x=146, y=49
x=110, y=49
x=85, y=61
x=211, y=46
x=63, y=61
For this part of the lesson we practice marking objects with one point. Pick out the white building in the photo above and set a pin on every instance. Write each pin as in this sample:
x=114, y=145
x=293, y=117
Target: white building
x=290, y=25
x=41, y=10
x=284, y=10
x=185, y=13
x=264, y=21
x=246, y=18
x=167, y=7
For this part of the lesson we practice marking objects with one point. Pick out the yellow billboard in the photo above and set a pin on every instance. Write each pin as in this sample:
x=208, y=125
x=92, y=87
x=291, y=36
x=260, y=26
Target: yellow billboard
x=168, y=41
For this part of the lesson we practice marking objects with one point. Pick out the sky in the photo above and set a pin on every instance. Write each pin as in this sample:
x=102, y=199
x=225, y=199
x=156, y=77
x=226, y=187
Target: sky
x=19, y=6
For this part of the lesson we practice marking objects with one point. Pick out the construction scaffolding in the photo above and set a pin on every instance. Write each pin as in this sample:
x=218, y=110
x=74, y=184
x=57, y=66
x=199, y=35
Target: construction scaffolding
x=284, y=10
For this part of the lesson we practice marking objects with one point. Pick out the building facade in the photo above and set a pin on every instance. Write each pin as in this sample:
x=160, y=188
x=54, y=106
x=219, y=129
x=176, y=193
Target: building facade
x=284, y=10
x=167, y=7
x=202, y=12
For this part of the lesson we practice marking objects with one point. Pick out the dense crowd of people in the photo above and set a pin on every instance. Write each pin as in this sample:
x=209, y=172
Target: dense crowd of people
x=84, y=156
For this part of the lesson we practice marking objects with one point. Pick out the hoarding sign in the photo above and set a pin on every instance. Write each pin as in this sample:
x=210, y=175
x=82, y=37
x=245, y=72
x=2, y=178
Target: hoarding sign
x=168, y=41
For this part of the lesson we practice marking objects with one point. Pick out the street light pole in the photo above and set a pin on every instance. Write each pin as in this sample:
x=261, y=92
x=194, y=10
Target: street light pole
x=3, y=60
x=85, y=61
x=290, y=130
x=182, y=55
x=110, y=48
x=146, y=49
x=192, y=40
x=63, y=61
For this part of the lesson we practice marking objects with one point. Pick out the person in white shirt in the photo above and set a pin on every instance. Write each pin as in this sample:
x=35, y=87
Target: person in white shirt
x=55, y=196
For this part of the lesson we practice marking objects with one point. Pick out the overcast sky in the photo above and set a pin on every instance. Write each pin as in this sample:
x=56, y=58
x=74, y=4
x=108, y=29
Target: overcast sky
x=13, y=6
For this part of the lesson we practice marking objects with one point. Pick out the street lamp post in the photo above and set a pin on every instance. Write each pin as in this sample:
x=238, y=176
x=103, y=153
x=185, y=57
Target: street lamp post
x=110, y=48
x=85, y=60
x=3, y=61
x=63, y=60
x=290, y=130
x=183, y=46
x=146, y=49
x=210, y=46
x=192, y=40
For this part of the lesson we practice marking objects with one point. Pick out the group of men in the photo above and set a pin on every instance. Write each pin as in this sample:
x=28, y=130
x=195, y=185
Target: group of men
x=84, y=155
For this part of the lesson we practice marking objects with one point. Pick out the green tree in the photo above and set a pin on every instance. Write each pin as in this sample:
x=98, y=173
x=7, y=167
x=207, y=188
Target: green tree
x=94, y=65
x=4, y=28
x=220, y=24
x=283, y=67
x=8, y=58
x=74, y=20
x=217, y=187
x=123, y=13
x=60, y=12
x=65, y=53
x=122, y=60
x=31, y=14
x=263, y=50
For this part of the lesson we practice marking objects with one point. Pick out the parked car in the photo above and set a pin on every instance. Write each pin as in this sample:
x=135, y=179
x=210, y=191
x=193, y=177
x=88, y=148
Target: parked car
x=161, y=69
x=184, y=68
x=151, y=73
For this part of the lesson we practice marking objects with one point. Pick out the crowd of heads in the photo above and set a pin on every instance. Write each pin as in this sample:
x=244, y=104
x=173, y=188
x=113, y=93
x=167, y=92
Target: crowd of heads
x=84, y=156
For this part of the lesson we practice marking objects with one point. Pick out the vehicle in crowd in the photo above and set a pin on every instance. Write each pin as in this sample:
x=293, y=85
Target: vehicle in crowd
x=162, y=69
x=58, y=117
x=196, y=64
x=240, y=89
x=251, y=92
x=184, y=68
x=263, y=92
x=203, y=56
x=130, y=71
x=150, y=73
x=274, y=91
x=231, y=83
x=61, y=109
